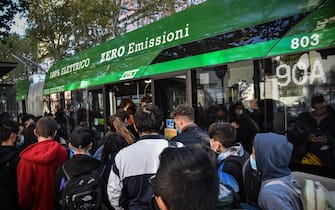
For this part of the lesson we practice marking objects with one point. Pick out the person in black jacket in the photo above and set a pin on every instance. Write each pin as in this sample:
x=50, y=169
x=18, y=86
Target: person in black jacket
x=81, y=141
x=9, y=158
x=189, y=133
x=246, y=127
x=314, y=135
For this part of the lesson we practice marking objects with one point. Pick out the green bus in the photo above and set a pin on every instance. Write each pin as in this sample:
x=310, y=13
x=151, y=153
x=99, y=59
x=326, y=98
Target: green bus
x=215, y=53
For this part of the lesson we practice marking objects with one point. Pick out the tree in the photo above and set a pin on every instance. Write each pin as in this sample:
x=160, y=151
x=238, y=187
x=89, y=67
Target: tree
x=64, y=27
x=15, y=48
x=9, y=9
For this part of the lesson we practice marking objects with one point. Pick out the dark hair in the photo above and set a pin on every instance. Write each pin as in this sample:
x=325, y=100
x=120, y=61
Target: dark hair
x=128, y=102
x=46, y=127
x=27, y=117
x=146, y=99
x=113, y=143
x=6, y=128
x=148, y=118
x=187, y=179
x=222, y=132
x=81, y=137
x=316, y=99
x=183, y=110
x=221, y=107
x=123, y=115
x=238, y=104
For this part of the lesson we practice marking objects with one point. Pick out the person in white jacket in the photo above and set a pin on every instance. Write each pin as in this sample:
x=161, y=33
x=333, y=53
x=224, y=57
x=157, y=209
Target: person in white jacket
x=128, y=185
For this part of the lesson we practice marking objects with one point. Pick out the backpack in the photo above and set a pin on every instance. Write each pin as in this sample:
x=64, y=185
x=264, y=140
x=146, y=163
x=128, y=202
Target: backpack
x=316, y=196
x=295, y=190
x=85, y=191
x=227, y=197
x=313, y=195
x=250, y=181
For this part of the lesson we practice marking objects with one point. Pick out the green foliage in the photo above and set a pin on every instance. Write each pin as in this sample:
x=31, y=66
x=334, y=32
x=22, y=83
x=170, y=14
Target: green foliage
x=69, y=26
x=60, y=28
x=65, y=27
x=24, y=48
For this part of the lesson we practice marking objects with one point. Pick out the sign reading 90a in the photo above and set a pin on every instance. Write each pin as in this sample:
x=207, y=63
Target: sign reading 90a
x=299, y=75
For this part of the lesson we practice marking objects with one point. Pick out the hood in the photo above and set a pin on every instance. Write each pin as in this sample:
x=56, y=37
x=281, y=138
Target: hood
x=273, y=153
x=42, y=152
x=7, y=154
x=81, y=164
x=236, y=150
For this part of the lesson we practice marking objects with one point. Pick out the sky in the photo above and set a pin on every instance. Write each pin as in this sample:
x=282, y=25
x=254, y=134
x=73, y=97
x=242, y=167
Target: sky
x=20, y=25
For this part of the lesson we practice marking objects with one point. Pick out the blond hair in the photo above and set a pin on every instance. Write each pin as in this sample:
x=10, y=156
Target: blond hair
x=116, y=125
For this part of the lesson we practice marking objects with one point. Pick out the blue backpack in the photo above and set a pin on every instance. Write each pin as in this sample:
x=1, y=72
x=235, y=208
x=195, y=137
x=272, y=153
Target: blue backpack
x=228, y=196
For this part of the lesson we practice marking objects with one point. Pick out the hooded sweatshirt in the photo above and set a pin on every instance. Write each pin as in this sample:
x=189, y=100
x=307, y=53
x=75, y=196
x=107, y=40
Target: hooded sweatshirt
x=9, y=158
x=36, y=174
x=273, y=153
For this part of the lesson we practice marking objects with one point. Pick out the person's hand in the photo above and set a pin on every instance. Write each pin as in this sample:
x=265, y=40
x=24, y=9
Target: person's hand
x=254, y=104
x=317, y=138
x=235, y=125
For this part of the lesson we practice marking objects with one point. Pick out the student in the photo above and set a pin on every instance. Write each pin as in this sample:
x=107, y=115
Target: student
x=115, y=125
x=186, y=180
x=113, y=144
x=188, y=132
x=273, y=154
x=231, y=156
x=9, y=158
x=37, y=167
x=245, y=126
x=81, y=141
x=128, y=185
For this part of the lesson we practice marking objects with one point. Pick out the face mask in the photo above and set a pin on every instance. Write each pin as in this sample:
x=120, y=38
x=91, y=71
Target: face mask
x=253, y=163
x=239, y=111
x=21, y=139
x=319, y=112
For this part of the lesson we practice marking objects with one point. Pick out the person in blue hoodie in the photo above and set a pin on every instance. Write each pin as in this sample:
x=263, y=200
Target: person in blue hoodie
x=278, y=189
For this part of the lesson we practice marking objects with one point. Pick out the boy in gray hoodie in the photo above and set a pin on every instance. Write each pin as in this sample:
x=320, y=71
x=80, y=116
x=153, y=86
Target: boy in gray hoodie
x=278, y=189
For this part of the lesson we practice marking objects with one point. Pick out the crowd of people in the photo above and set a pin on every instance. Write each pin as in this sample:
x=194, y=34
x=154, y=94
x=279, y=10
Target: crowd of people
x=230, y=165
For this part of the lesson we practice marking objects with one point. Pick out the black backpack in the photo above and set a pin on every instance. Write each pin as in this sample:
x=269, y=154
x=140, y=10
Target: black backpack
x=250, y=180
x=85, y=191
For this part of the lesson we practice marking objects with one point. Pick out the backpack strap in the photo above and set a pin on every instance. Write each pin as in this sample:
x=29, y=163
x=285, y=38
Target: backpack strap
x=100, y=170
x=296, y=192
x=244, y=167
x=65, y=172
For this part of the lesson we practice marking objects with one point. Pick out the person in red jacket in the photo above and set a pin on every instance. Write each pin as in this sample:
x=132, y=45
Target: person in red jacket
x=37, y=167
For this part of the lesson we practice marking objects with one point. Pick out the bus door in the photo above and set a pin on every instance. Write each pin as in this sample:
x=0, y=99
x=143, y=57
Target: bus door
x=96, y=111
x=168, y=94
